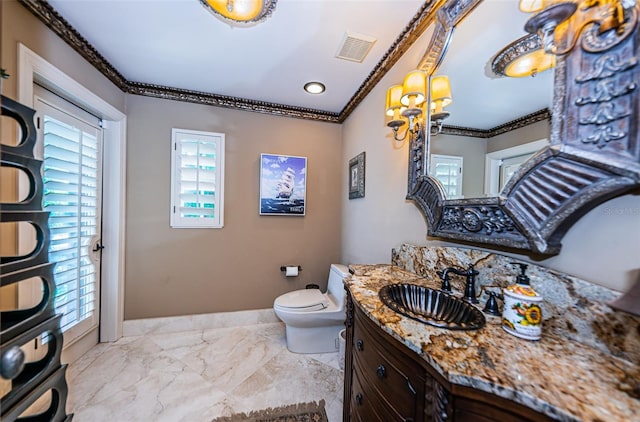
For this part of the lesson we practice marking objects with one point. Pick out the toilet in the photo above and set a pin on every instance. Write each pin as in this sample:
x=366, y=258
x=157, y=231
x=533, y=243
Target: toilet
x=313, y=319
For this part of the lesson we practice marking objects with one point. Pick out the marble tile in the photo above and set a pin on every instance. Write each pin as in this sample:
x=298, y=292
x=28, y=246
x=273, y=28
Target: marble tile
x=290, y=378
x=198, y=322
x=227, y=356
x=330, y=359
x=166, y=392
x=198, y=375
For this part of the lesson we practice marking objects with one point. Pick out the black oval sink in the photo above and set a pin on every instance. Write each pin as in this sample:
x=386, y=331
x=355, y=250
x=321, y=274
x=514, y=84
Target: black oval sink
x=432, y=307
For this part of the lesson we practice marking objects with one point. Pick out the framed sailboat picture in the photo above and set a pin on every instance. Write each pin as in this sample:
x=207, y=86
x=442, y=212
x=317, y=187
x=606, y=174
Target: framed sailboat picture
x=283, y=184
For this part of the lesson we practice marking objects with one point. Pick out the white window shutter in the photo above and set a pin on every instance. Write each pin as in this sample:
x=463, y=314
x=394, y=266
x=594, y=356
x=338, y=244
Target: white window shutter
x=197, y=179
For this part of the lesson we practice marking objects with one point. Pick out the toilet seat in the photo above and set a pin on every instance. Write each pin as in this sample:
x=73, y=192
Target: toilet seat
x=307, y=300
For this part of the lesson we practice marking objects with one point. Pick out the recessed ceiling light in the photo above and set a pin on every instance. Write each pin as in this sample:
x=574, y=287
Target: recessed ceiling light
x=314, y=87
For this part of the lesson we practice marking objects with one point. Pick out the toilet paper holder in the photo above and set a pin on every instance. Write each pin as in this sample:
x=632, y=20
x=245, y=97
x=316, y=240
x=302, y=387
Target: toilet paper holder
x=284, y=267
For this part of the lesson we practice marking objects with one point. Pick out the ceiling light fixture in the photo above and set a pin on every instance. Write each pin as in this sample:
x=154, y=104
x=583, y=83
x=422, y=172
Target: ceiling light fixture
x=314, y=87
x=523, y=57
x=530, y=6
x=605, y=22
x=246, y=12
x=406, y=103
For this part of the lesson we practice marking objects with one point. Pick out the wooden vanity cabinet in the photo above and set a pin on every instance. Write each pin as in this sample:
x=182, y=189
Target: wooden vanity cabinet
x=387, y=382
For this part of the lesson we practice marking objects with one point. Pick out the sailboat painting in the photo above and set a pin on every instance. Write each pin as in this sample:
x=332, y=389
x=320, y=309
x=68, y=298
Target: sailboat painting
x=283, y=184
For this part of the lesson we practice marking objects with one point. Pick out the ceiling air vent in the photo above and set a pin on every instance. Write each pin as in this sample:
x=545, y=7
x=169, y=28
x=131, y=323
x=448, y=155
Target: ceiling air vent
x=355, y=47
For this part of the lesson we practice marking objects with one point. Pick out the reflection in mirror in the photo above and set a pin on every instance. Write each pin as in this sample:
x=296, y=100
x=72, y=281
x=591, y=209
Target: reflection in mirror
x=493, y=119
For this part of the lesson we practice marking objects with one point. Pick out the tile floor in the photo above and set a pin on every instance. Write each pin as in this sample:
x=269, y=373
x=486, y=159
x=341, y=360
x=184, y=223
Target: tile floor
x=199, y=375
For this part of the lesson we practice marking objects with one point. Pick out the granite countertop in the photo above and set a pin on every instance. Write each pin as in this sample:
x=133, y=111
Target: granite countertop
x=557, y=376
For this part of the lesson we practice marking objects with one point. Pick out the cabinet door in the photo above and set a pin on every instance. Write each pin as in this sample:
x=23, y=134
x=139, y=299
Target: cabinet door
x=397, y=380
x=366, y=404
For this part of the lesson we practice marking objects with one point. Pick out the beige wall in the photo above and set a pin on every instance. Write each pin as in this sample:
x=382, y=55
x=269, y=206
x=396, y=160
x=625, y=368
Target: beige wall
x=383, y=219
x=472, y=151
x=172, y=272
x=530, y=133
x=20, y=26
x=17, y=25
x=190, y=271
x=187, y=271
x=602, y=247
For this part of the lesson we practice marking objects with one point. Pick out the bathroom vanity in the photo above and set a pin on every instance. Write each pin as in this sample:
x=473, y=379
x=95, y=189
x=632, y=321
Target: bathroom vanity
x=390, y=383
x=398, y=369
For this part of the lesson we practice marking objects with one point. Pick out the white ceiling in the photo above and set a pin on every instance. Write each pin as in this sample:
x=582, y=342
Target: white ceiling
x=179, y=44
x=482, y=100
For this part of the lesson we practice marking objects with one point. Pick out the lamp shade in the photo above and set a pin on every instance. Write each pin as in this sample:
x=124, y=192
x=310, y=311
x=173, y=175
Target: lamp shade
x=394, y=94
x=441, y=91
x=414, y=88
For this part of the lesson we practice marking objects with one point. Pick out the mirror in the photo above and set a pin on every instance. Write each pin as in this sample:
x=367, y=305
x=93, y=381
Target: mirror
x=485, y=107
x=593, y=153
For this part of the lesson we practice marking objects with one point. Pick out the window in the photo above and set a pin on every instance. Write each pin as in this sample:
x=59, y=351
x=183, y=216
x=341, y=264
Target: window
x=448, y=170
x=197, y=179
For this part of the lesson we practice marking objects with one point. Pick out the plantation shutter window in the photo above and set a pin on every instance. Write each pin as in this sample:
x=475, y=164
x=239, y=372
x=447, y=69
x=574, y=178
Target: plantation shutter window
x=197, y=179
x=72, y=149
x=448, y=170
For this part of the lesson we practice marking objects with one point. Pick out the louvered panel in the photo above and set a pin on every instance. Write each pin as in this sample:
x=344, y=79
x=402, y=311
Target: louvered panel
x=551, y=186
x=71, y=189
x=558, y=195
x=572, y=173
x=533, y=204
x=537, y=191
x=197, y=179
x=429, y=198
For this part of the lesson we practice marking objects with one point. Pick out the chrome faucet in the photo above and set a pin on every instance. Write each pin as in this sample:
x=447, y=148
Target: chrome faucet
x=470, y=285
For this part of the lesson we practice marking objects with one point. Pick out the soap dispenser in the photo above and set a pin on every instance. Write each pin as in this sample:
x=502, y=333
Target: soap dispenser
x=521, y=313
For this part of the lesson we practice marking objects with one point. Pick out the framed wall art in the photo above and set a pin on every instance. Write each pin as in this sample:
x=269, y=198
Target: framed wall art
x=356, y=176
x=283, y=184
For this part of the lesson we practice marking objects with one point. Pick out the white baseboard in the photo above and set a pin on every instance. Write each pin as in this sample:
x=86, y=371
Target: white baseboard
x=139, y=327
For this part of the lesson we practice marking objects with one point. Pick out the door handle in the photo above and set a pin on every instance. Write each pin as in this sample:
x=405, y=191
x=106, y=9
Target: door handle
x=97, y=247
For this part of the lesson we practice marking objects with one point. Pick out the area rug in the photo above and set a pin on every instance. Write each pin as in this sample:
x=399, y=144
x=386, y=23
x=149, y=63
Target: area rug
x=301, y=412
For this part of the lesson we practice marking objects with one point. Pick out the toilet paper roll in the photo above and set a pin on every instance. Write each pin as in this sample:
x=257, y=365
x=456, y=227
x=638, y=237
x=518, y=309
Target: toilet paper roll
x=291, y=272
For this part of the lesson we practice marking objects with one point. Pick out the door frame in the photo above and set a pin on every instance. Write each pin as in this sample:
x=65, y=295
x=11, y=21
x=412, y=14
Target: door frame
x=33, y=67
x=494, y=159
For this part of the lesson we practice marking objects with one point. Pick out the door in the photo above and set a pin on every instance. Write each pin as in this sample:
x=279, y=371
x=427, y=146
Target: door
x=70, y=143
x=510, y=165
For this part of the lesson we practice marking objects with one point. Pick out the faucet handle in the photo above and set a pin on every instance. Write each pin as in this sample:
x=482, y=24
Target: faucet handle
x=491, y=307
x=446, y=285
x=472, y=270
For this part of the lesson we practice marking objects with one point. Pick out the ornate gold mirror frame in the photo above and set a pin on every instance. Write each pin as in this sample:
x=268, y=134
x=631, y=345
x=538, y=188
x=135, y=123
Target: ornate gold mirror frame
x=594, y=154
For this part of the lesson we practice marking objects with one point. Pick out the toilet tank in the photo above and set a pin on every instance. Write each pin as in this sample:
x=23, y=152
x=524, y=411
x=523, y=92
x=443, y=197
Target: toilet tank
x=335, y=287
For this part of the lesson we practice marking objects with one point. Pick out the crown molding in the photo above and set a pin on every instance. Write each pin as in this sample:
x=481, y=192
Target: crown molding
x=416, y=27
x=166, y=93
x=54, y=21
x=518, y=123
